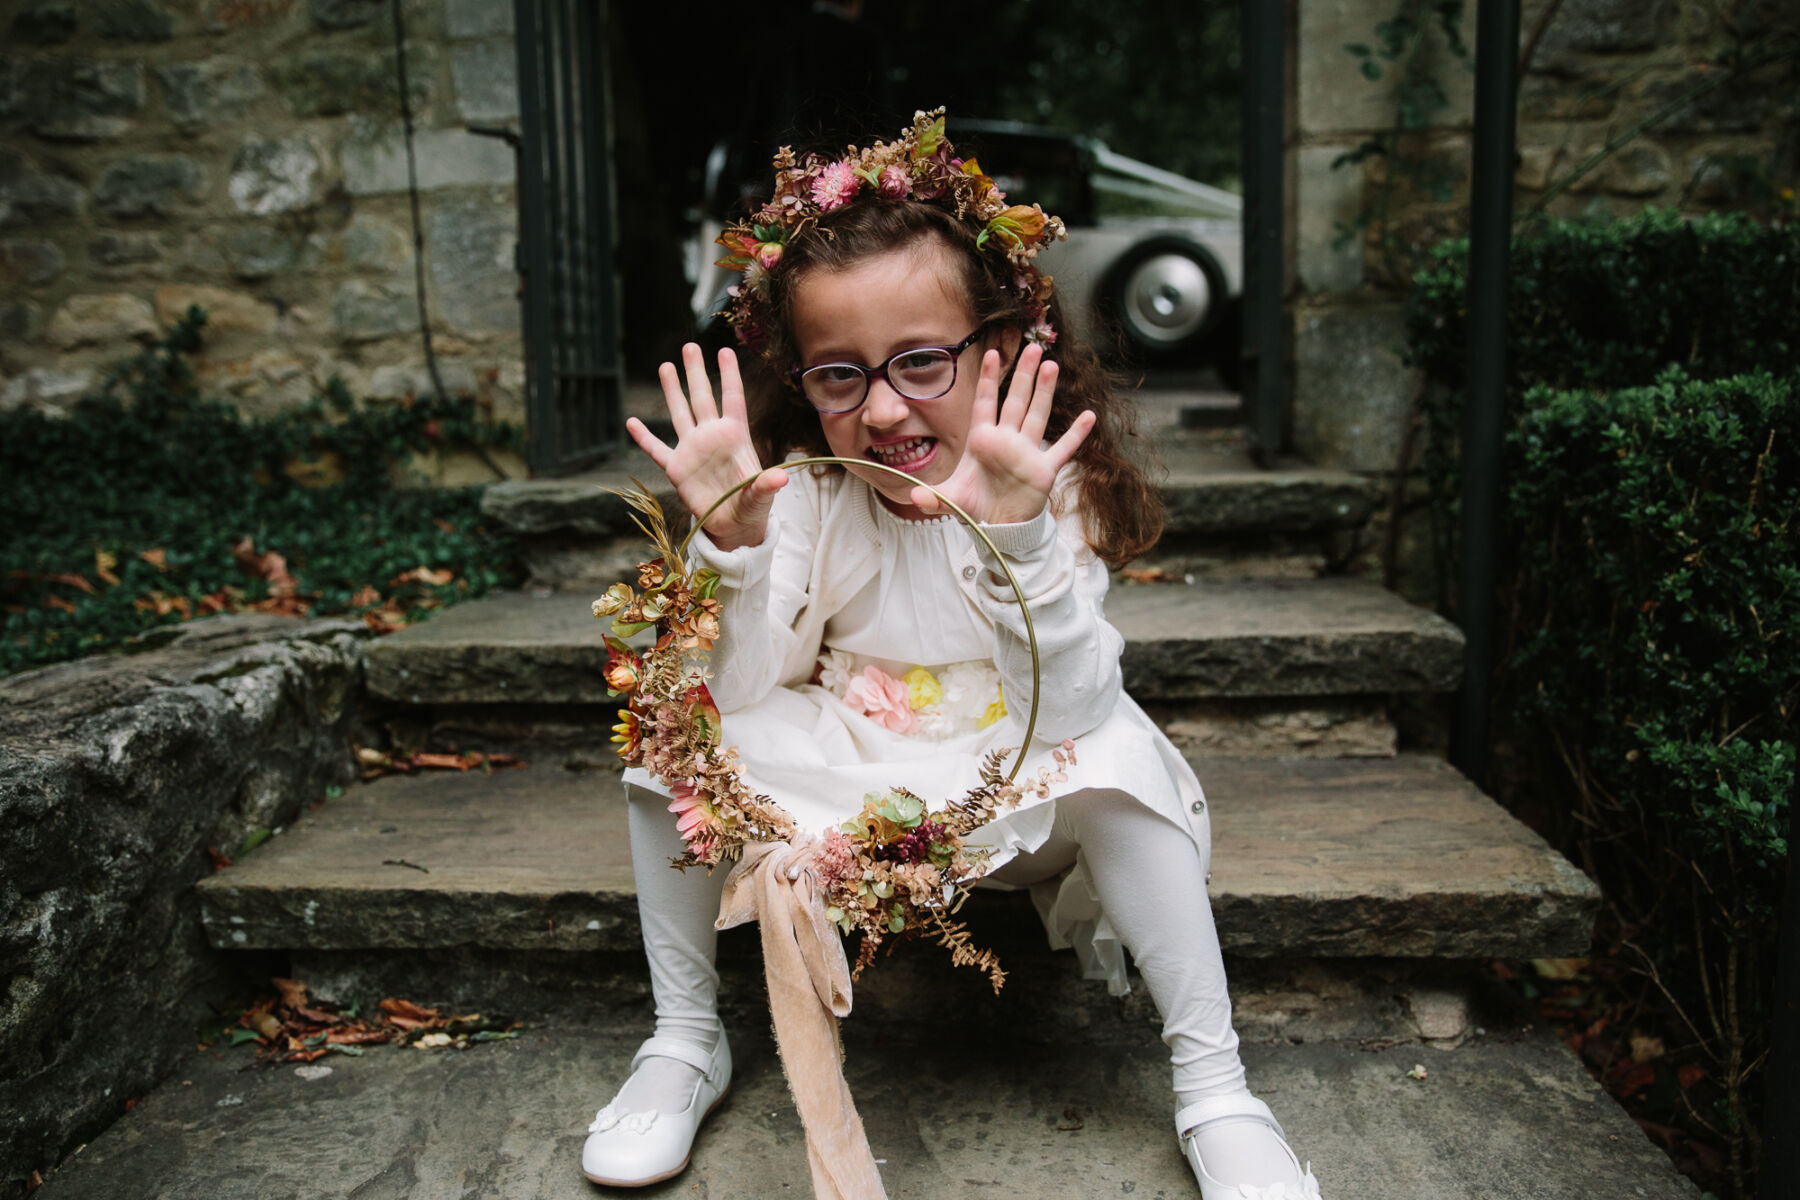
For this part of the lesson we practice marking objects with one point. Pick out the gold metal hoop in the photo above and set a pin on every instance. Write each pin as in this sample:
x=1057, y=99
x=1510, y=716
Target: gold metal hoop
x=968, y=522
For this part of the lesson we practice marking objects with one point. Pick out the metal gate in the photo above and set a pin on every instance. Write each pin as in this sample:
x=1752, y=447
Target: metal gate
x=568, y=223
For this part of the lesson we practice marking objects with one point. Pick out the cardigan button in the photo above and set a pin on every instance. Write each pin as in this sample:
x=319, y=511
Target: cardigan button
x=1199, y=806
x=968, y=572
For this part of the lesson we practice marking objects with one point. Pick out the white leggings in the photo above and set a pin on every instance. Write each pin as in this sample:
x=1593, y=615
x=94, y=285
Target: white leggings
x=1150, y=883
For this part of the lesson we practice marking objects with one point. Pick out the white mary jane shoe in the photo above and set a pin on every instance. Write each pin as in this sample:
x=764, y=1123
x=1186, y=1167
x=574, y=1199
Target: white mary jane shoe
x=632, y=1149
x=1191, y=1119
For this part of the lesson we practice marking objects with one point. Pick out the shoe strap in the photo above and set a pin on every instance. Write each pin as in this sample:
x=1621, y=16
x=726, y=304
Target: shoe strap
x=1213, y=1108
x=697, y=1057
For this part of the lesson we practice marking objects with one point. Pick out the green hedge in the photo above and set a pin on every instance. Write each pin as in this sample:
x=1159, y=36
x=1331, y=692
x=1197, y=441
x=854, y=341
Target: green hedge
x=123, y=515
x=1611, y=306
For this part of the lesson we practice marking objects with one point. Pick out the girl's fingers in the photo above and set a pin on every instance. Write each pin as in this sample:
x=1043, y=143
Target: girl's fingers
x=1065, y=446
x=648, y=442
x=699, y=386
x=679, y=413
x=731, y=388
x=1024, y=383
x=987, y=391
x=926, y=500
x=1037, y=417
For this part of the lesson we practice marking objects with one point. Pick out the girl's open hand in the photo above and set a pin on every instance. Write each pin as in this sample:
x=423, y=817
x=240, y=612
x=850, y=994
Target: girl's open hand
x=1006, y=473
x=713, y=451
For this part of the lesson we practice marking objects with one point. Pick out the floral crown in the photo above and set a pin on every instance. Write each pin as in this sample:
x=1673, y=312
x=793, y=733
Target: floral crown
x=920, y=166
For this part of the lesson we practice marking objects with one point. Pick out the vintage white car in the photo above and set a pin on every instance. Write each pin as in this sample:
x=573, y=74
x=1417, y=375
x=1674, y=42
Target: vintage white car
x=1151, y=273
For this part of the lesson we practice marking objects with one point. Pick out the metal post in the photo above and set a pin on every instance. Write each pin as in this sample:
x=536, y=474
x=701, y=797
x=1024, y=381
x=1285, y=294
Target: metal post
x=1490, y=248
x=1781, y=1087
x=1264, y=164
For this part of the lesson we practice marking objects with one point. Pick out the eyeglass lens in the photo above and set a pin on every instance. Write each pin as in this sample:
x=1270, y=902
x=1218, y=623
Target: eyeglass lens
x=923, y=374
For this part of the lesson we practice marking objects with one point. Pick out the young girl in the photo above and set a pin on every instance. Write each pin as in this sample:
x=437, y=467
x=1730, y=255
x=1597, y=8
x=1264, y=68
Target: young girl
x=866, y=644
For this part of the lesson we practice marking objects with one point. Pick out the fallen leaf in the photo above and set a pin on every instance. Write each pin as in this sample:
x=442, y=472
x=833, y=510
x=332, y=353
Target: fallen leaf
x=266, y=1024
x=1637, y=1079
x=1689, y=1074
x=104, y=562
x=1559, y=968
x=1418, y=1071
x=78, y=582
x=366, y=597
x=423, y=575
x=219, y=861
x=452, y=762
x=293, y=994
x=158, y=558
x=1148, y=575
x=58, y=602
x=1646, y=1049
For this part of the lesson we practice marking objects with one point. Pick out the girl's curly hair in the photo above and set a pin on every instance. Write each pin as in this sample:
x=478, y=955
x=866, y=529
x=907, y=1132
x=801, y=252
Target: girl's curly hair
x=1122, y=514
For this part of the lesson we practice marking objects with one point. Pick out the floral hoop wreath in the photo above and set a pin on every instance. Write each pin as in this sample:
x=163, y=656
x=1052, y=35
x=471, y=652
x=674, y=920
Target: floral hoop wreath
x=920, y=166
x=897, y=867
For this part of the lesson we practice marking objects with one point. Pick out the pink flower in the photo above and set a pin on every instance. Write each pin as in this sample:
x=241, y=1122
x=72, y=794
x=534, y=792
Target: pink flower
x=896, y=182
x=883, y=699
x=836, y=186
x=695, y=818
x=767, y=254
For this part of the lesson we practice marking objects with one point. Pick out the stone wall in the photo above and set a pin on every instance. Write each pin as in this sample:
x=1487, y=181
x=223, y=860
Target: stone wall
x=1601, y=67
x=117, y=774
x=247, y=156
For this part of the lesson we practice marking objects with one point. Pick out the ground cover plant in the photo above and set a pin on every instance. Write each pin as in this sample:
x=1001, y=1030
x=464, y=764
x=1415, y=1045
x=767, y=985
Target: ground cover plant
x=1650, y=669
x=149, y=504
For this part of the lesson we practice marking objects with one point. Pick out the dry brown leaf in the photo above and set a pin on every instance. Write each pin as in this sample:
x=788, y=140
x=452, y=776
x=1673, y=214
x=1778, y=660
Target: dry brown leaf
x=452, y=762
x=158, y=558
x=219, y=861
x=1148, y=574
x=293, y=993
x=104, y=562
x=57, y=602
x=75, y=581
x=423, y=575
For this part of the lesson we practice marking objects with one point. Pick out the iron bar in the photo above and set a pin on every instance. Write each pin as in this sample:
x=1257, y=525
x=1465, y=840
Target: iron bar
x=1264, y=164
x=1490, y=249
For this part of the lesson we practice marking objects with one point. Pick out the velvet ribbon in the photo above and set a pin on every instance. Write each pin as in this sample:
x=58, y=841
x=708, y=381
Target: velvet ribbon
x=777, y=886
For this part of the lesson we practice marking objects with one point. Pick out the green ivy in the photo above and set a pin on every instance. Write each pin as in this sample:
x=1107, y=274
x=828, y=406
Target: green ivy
x=124, y=514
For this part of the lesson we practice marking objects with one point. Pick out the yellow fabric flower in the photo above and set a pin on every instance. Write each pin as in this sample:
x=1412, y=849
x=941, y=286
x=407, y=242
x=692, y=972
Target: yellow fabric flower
x=996, y=710
x=922, y=689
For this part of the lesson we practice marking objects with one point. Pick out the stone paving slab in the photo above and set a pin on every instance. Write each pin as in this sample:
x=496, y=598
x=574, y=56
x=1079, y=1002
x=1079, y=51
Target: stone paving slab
x=1215, y=639
x=1509, y=1116
x=1205, y=494
x=1346, y=858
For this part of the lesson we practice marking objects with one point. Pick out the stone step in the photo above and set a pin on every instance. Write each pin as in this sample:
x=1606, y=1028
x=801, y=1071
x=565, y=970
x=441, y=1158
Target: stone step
x=1510, y=1115
x=1206, y=494
x=1400, y=857
x=1333, y=636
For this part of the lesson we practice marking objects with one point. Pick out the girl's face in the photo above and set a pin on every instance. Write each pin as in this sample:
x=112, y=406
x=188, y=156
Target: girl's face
x=899, y=300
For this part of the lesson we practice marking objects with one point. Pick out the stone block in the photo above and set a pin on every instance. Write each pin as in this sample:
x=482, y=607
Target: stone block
x=101, y=319
x=206, y=93
x=1738, y=105
x=1350, y=387
x=46, y=23
x=116, y=775
x=1553, y=98
x=226, y=311
x=396, y=381
x=20, y=320
x=1328, y=200
x=470, y=239
x=28, y=195
x=332, y=82
x=1638, y=169
x=29, y=262
x=365, y=312
x=151, y=185
x=48, y=388
x=477, y=18
x=134, y=21
x=84, y=100
x=1350, y=728
x=345, y=14
x=375, y=160
x=1717, y=177
x=276, y=174
x=267, y=382
x=1334, y=95
x=1583, y=27
x=366, y=244
x=119, y=252
x=259, y=251
x=486, y=78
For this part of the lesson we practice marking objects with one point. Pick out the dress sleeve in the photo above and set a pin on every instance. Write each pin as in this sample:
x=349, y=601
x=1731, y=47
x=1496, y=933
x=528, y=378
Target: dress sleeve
x=1065, y=585
x=762, y=592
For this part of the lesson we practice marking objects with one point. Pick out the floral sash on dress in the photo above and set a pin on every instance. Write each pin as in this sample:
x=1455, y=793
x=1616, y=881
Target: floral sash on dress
x=961, y=698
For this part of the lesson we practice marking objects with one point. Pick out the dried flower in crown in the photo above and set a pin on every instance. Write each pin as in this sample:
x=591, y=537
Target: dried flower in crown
x=920, y=166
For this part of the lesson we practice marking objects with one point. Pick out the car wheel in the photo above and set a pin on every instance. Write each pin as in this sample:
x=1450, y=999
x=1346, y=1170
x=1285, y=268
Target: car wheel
x=1165, y=294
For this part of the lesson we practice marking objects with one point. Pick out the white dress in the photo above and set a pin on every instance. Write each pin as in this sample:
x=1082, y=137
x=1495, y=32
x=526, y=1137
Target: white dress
x=844, y=605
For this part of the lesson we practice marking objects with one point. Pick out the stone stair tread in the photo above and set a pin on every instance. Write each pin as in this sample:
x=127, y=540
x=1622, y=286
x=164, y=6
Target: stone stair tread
x=1399, y=857
x=1216, y=638
x=1207, y=492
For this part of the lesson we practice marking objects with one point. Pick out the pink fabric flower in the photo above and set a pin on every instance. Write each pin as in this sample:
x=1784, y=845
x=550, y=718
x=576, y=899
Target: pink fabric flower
x=896, y=182
x=881, y=698
x=836, y=186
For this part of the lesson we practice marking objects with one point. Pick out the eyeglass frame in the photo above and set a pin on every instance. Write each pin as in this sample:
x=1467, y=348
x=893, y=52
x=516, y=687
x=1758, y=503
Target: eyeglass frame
x=869, y=374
